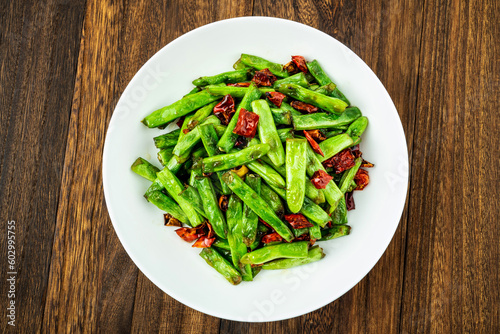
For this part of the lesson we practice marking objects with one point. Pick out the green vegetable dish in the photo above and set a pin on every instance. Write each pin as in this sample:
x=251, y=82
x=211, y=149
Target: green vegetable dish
x=262, y=167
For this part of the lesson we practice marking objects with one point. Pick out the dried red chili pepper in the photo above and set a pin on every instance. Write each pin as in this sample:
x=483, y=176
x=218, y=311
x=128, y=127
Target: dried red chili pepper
x=362, y=179
x=313, y=144
x=203, y=242
x=300, y=62
x=316, y=134
x=223, y=202
x=291, y=68
x=356, y=151
x=264, y=78
x=367, y=164
x=302, y=237
x=298, y=220
x=272, y=237
x=180, y=121
x=224, y=110
x=320, y=179
x=189, y=234
x=305, y=107
x=169, y=220
x=349, y=201
x=241, y=142
x=276, y=98
x=340, y=161
x=239, y=84
x=185, y=131
x=247, y=123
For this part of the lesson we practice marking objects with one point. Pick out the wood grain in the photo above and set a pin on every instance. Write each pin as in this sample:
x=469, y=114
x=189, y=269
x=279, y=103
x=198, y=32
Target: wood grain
x=63, y=66
x=37, y=72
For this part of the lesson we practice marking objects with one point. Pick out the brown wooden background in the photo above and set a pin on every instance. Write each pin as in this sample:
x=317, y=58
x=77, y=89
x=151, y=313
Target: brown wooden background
x=63, y=66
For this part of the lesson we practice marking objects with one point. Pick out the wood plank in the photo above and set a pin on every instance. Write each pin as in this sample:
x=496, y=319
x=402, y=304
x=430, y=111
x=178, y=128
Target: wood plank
x=390, y=44
x=452, y=284
x=78, y=257
x=37, y=72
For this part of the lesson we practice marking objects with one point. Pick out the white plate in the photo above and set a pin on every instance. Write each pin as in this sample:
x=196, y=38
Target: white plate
x=177, y=268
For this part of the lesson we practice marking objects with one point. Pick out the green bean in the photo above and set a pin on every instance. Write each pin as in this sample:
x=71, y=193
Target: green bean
x=211, y=207
x=357, y=128
x=238, y=248
x=281, y=116
x=226, y=77
x=232, y=160
x=184, y=129
x=155, y=186
x=268, y=133
x=300, y=93
x=235, y=92
x=315, y=232
x=335, y=132
x=145, y=169
x=219, y=263
x=168, y=205
x=193, y=91
x=335, y=232
x=282, y=250
x=228, y=139
x=177, y=109
x=324, y=120
x=238, y=65
x=267, y=173
x=192, y=137
x=318, y=73
x=326, y=89
x=298, y=79
x=209, y=138
x=349, y=175
x=174, y=188
x=296, y=155
x=164, y=155
x=257, y=204
x=339, y=215
x=314, y=254
x=313, y=86
x=273, y=199
x=323, y=79
x=222, y=244
x=250, y=220
x=191, y=195
x=200, y=115
x=316, y=195
x=334, y=145
x=167, y=140
x=261, y=63
x=314, y=213
x=285, y=134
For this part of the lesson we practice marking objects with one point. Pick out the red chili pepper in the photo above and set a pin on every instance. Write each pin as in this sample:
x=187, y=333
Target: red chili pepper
x=264, y=78
x=291, y=68
x=239, y=84
x=320, y=179
x=349, y=201
x=298, y=220
x=203, y=242
x=189, y=234
x=340, y=161
x=223, y=202
x=301, y=106
x=180, y=121
x=316, y=134
x=355, y=151
x=272, y=237
x=300, y=62
x=313, y=144
x=276, y=98
x=362, y=179
x=169, y=220
x=303, y=237
x=224, y=110
x=185, y=131
x=367, y=164
x=247, y=123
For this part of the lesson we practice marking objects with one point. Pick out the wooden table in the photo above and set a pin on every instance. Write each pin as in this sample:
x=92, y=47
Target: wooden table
x=64, y=64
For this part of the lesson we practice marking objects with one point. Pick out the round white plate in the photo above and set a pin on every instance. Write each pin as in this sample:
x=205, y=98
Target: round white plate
x=171, y=263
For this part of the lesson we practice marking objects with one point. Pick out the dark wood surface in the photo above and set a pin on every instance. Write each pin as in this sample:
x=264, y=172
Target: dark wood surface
x=63, y=66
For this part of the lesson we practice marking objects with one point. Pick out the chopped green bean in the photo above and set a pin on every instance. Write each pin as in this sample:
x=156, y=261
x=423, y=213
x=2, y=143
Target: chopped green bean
x=261, y=63
x=295, y=173
x=219, y=263
x=283, y=250
x=314, y=254
x=324, y=120
x=319, y=100
x=231, y=160
x=145, y=169
x=226, y=77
